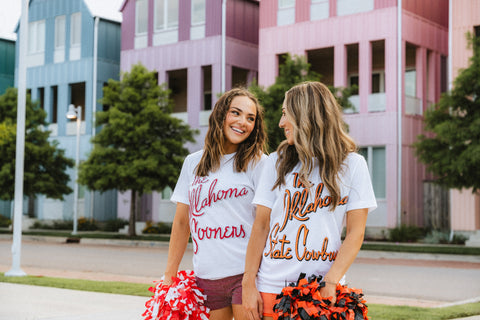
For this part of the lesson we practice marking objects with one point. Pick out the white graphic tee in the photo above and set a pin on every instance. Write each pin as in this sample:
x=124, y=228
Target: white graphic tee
x=304, y=235
x=221, y=214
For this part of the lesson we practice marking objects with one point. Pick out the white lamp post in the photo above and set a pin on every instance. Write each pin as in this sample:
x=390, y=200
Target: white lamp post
x=75, y=113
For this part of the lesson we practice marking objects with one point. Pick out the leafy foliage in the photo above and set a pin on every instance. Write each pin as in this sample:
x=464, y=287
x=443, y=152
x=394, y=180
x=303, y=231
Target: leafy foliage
x=45, y=163
x=293, y=71
x=452, y=152
x=140, y=146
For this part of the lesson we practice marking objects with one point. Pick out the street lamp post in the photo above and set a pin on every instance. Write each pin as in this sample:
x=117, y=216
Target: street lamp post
x=75, y=113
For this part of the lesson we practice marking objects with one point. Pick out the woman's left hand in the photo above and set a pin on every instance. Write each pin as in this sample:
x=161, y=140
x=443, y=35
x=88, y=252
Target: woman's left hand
x=329, y=291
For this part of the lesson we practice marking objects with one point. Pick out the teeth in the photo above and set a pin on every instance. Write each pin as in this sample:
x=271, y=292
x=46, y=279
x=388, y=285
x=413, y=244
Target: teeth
x=237, y=130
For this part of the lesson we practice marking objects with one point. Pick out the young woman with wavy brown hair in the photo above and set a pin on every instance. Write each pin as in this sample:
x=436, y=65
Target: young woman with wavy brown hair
x=313, y=184
x=214, y=202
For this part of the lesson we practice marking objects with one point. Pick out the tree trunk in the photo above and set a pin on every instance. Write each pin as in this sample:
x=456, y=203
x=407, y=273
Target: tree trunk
x=131, y=223
x=31, y=206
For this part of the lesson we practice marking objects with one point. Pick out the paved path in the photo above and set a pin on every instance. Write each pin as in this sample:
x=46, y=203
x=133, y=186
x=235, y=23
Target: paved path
x=387, y=278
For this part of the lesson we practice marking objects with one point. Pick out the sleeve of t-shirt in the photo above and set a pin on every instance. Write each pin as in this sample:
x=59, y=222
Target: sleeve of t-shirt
x=180, y=194
x=257, y=171
x=361, y=194
x=264, y=195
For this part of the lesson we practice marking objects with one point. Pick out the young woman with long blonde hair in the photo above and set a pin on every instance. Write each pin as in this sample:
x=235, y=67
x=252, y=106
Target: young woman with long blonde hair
x=214, y=202
x=313, y=184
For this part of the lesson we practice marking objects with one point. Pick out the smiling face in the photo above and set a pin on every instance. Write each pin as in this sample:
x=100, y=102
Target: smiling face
x=239, y=122
x=287, y=126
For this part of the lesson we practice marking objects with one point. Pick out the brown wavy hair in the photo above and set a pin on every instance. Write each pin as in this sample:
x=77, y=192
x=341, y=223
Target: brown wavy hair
x=318, y=133
x=251, y=149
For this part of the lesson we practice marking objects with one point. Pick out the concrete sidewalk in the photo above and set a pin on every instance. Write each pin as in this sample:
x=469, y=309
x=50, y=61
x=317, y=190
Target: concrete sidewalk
x=24, y=302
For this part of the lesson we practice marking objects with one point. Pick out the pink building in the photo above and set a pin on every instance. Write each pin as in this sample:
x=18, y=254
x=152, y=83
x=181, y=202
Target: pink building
x=397, y=57
x=465, y=17
x=197, y=54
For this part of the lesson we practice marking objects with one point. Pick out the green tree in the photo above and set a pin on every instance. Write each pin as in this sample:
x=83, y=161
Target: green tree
x=45, y=164
x=451, y=150
x=140, y=146
x=293, y=71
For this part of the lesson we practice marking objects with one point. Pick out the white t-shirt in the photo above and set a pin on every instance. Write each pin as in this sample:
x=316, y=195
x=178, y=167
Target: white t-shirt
x=221, y=214
x=304, y=235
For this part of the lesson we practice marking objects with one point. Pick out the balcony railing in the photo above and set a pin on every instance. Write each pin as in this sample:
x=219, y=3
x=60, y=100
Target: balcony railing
x=413, y=105
x=377, y=102
x=355, y=101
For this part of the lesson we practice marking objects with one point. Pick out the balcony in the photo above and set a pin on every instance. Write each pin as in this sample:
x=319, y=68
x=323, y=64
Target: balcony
x=413, y=105
x=377, y=102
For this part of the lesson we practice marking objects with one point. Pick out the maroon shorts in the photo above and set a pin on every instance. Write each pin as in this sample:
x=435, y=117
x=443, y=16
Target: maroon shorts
x=223, y=292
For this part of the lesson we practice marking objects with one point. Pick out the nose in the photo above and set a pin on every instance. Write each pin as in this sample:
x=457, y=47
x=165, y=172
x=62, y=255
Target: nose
x=281, y=123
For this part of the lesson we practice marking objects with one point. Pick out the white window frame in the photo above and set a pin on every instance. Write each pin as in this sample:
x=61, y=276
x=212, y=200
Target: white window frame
x=36, y=43
x=166, y=33
x=60, y=39
x=286, y=12
x=165, y=25
x=319, y=10
x=139, y=13
x=347, y=7
x=197, y=29
x=36, y=37
x=75, y=35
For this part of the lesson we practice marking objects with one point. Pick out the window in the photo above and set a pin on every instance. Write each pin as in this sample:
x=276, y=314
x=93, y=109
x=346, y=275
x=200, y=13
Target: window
x=346, y=7
x=41, y=97
x=376, y=160
x=319, y=9
x=166, y=14
x=197, y=30
x=54, y=99
x=76, y=29
x=411, y=83
x=286, y=12
x=59, y=50
x=75, y=35
x=141, y=16
x=198, y=12
x=59, y=32
x=36, y=37
x=476, y=31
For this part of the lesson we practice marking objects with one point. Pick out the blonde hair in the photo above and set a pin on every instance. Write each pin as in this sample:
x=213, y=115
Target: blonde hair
x=250, y=149
x=318, y=133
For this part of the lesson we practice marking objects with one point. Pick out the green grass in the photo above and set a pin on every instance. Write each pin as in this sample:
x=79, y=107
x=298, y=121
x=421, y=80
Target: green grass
x=421, y=248
x=135, y=289
x=384, y=312
x=376, y=311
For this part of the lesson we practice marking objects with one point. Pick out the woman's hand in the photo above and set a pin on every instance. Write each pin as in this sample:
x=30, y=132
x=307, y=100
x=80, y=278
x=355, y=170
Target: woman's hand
x=252, y=302
x=329, y=291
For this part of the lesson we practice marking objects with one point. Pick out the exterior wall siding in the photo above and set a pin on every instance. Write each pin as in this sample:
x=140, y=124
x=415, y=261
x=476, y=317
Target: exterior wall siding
x=7, y=64
x=464, y=206
x=241, y=48
x=371, y=128
x=64, y=74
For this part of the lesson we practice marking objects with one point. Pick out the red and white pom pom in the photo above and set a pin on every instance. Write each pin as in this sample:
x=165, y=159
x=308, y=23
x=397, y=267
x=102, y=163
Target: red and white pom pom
x=182, y=300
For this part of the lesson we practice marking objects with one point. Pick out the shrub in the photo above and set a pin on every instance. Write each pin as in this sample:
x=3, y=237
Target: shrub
x=406, y=234
x=160, y=227
x=85, y=224
x=114, y=225
x=4, y=222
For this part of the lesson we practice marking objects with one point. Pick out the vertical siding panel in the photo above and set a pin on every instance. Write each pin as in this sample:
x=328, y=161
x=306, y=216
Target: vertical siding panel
x=268, y=13
x=302, y=10
x=184, y=19
x=213, y=17
x=128, y=25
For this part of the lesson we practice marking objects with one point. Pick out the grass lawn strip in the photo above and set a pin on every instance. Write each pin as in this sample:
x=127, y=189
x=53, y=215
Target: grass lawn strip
x=376, y=311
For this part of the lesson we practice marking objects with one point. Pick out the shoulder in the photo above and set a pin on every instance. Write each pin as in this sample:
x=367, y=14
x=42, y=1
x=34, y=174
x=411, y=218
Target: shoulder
x=354, y=158
x=193, y=159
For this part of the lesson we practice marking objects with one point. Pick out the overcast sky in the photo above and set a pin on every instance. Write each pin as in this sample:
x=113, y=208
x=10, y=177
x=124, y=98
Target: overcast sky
x=9, y=17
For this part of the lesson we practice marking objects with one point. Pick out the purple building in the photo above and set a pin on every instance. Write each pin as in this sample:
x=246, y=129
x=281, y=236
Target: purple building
x=199, y=49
